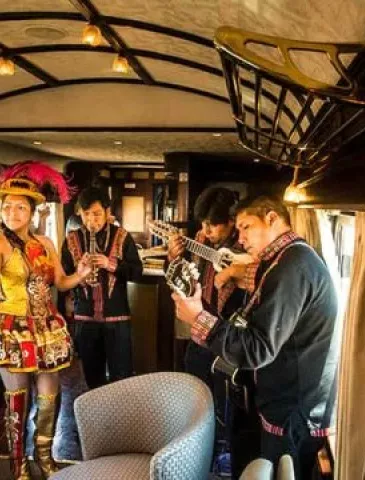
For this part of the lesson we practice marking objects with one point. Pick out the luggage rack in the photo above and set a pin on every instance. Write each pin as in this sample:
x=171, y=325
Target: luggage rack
x=310, y=118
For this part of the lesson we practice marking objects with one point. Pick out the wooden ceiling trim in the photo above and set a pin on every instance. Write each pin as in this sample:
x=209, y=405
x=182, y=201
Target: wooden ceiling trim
x=91, y=13
x=21, y=16
x=28, y=66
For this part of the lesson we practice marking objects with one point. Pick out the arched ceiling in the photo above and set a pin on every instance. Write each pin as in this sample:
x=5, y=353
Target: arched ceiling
x=66, y=96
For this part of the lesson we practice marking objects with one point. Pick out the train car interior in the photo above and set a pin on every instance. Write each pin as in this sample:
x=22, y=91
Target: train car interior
x=153, y=101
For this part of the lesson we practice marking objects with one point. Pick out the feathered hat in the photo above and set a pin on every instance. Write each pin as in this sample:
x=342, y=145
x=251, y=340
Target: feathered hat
x=31, y=178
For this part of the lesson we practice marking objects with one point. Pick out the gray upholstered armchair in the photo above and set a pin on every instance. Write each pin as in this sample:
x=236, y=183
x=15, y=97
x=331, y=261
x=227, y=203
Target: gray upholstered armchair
x=155, y=426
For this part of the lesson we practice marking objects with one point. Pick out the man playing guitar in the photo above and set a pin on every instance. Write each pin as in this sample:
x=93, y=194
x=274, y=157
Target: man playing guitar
x=213, y=211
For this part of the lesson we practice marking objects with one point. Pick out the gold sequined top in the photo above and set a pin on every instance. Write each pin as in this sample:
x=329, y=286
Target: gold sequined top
x=13, y=278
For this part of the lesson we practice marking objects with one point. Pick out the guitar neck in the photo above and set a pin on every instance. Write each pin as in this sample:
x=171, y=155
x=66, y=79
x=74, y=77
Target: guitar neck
x=201, y=250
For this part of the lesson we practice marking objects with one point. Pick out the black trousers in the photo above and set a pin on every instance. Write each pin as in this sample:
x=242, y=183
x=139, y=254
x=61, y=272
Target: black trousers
x=245, y=426
x=105, y=349
x=198, y=362
x=298, y=443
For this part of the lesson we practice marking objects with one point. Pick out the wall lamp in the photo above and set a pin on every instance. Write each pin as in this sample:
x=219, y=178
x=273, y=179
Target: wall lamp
x=91, y=35
x=121, y=65
x=7, y=66
x=294, y=194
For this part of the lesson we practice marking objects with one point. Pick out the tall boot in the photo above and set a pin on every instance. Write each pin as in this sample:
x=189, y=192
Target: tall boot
x=16, y=417
x=45, y=424
x=4, y=450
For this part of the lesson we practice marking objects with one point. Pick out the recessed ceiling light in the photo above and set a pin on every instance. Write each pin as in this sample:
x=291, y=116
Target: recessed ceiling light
x=45, y=33
x=37, y=142
x=216, y=134
x=256, y=160
x=117, y=142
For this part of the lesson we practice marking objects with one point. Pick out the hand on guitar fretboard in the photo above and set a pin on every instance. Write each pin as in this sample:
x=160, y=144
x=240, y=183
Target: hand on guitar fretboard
x=221, y=258
x=182, y=276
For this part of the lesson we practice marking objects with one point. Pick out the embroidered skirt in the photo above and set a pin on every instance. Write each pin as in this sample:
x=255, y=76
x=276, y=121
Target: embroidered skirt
x=27, y=345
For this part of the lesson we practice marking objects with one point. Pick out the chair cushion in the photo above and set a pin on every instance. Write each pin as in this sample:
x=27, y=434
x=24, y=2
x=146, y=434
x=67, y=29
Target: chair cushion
x=131, y=466
x=286, y=468
x=259, y=469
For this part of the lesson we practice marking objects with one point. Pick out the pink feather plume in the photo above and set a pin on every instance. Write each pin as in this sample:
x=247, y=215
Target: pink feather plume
x=42, y=175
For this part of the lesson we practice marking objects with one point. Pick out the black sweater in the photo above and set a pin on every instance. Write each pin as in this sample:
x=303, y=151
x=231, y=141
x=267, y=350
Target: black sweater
x=122, y=253
x=290, y=341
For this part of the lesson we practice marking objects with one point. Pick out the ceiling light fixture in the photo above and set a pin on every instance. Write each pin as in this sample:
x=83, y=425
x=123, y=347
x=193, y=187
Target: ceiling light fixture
x=45, y=32
x=294, y=194
x=91, y=35
x=7, y=66
x=117, y=142
x=37, y=142
x=121, y=65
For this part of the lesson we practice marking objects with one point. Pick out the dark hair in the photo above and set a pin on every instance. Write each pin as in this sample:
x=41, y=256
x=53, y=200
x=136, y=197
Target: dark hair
x=91, y=195
x=262, y=205
x=214, y=205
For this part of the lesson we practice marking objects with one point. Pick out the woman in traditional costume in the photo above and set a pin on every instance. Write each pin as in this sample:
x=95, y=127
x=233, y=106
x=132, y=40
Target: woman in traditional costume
x=34, y=340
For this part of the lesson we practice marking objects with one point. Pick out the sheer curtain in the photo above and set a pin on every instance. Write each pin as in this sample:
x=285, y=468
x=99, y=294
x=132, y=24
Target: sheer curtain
x=304, y=222
x=350, y=451
x=329, y=253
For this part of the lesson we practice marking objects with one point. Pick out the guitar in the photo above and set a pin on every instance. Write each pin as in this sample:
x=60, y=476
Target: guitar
x=221, y=258
x=182, y=276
